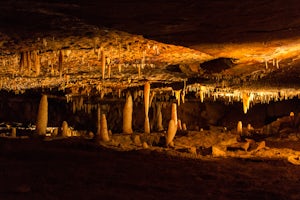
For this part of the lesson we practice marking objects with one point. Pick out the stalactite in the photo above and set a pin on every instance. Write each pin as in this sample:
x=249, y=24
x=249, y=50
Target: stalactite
x=42, y=117
x=109, y=71
x=246, y=101
x=22, y=62
x=239, y=128
x=139, y=70
x=183, y=96
x=74, y=107
x=28, y=54
x=177, y=96
x=202, y=96
x=104, y=130
x=67, y=79
x=146, y=103
x=151, y=98
x=119, y=93
x=266, y=64
x=143, y=59
x=60, y=64
x=99, y=53
x=135, y=95
x=25, y=63
x=52, y=71
x=37, y=63
x=172, y=128
x=103, y=60
x=127, y=115
x=120, y=68
x=89, y=108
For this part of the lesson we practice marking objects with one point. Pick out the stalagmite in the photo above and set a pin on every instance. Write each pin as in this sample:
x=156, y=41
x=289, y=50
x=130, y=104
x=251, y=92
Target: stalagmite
x=54, y=132
x=159, y=117
x=184, y=126
x=239, y=128
x=60, y=64
x=249, y=127
x=179, y=124
x=104, y=131
x=174, y=113
x=146, y=103
x=13, y=132
x=65, y=129
x=42, y=117
x=172, y=128
x=127, y=115
x=98, y=121
x=103, y=60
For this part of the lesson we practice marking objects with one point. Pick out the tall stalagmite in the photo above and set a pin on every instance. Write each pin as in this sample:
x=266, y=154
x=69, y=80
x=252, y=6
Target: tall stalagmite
x=98, y=122
x=159, y=117
x=239, y=128
x=146, y=102
x=65, y=129
x=104, y=130
x=172, y=129
x=174, y=113
x=127, y=115
x=42, y=117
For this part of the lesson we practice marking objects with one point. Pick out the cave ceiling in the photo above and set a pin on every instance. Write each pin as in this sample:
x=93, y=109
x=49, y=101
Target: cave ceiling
x=219, y=48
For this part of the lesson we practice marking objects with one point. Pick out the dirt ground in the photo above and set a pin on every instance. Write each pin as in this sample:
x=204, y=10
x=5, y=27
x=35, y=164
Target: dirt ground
x=78, y=169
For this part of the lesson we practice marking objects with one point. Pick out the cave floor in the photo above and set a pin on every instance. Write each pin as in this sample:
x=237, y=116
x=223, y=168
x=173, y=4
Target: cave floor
x=74, y=168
